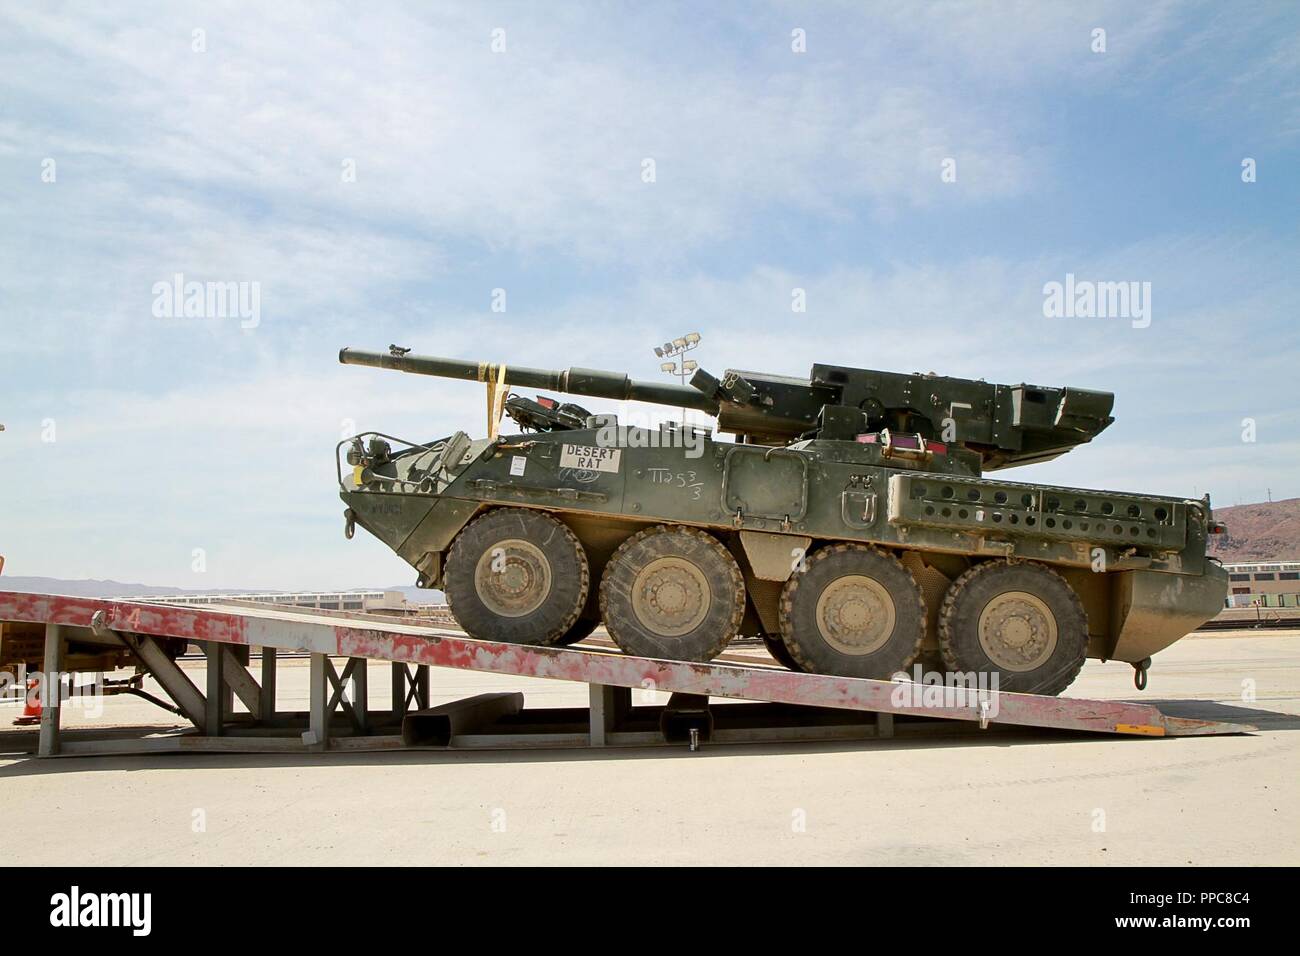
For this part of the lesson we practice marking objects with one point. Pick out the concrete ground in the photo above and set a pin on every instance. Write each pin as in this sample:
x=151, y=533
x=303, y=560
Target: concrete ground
x=1015, y=797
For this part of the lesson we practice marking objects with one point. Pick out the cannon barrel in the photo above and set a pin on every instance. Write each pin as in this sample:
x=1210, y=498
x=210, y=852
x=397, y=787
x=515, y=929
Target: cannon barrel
x=1003, y=424
x=591, y=382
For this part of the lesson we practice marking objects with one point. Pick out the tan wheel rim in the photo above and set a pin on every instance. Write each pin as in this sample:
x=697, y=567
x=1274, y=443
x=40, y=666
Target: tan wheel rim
x=671, y=597
x=512, y=578
x=855, y=614
x=1017, y=631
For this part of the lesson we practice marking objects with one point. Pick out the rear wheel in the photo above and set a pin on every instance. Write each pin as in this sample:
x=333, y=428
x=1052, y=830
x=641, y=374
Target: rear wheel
x=1022, y=622
x=517, y=576
x=674, y=593
x=853, y=611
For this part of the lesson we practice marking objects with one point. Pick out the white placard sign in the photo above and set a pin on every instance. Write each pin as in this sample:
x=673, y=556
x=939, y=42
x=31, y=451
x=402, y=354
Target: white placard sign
x=590, y=458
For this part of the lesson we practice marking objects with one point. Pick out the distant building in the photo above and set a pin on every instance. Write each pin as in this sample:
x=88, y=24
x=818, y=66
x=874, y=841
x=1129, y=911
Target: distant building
x=1266, y=584
x=373, y=602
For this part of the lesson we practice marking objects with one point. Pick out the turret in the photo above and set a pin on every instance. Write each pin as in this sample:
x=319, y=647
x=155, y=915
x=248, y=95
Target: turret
x=1003, y=424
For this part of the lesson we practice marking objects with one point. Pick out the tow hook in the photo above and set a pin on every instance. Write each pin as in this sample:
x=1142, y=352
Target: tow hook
x=1140, y=673
x=349, y=523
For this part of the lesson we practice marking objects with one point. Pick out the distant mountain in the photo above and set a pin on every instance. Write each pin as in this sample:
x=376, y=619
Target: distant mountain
x=102, y=589
x=111, y=589
x=1268, y=531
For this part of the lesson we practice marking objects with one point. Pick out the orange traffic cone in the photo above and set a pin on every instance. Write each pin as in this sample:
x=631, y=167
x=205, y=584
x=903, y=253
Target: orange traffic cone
x=32, y=705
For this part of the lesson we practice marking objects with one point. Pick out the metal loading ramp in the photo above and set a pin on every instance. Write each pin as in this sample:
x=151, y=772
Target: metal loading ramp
x=792, y=706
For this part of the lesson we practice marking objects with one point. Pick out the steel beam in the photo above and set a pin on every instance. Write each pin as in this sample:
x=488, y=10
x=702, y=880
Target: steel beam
x=238, y=654
x=408, y=689
x=361, y=693
x=318, y=732
x=174, y=681
x=215, y=699
x=339, y=686
x=608, y=709
x=422, y=685
x=399, y=690
x=266, y=708
x=52, y=678
x=238, y=679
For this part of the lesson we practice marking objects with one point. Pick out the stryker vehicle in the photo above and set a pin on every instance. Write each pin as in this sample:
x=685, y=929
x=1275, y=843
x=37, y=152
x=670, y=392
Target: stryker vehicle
x=850, y=524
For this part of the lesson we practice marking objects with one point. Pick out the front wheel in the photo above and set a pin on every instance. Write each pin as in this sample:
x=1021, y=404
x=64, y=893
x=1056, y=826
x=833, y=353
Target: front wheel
x=517, y=576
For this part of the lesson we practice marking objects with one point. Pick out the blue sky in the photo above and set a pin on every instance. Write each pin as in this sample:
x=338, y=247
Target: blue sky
x=522, y=170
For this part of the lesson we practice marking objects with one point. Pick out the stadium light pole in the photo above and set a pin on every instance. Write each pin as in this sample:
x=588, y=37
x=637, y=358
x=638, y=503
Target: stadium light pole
x=680, y=366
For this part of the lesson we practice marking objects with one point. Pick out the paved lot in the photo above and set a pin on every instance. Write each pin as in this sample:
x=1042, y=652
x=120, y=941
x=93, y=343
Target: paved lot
x=1025, y=797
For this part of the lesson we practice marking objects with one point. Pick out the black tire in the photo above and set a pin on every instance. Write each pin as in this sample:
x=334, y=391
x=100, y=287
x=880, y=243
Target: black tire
x=780, y=653
x=654, y=565
x=582, y=628
x=529, y=592
x=1046, y=639
x=831, y=625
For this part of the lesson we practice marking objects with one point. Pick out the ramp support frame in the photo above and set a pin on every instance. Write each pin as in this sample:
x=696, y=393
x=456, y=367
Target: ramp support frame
x=677, y=702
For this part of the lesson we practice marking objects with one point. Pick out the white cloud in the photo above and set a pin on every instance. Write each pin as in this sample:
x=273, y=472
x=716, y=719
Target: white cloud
x=537, y=147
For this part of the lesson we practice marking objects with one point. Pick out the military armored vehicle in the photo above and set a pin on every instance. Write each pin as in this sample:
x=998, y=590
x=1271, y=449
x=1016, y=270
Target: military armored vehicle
x=850, y=523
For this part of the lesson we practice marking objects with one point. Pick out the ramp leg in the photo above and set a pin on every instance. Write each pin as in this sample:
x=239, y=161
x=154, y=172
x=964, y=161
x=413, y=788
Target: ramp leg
x=318, y=734
x=399, y=697
x=237, y=678
x=235, y=658
x=884, y=724
x=267, y=691
x=422, y=686
x=361, y=694
x=608, y=709
x=48, y=744
x=170, y=678
x=399, y=690
x=344, y=690
x=216, y=695
x=408, y=689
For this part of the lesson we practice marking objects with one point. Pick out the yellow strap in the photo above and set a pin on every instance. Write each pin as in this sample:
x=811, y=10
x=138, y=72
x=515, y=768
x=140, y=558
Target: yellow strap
x=496, y=396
